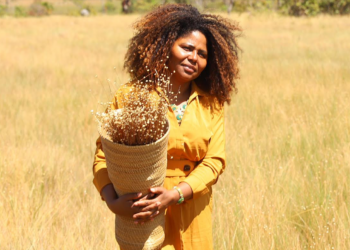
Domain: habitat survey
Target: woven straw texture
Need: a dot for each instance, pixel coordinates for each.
(136, 169)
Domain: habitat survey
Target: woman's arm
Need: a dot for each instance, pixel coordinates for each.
(213, 164)
(99, 167)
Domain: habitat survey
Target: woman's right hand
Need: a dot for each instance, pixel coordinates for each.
(120, 205)
(123, 205)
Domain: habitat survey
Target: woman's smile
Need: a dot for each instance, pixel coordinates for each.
(189, 68)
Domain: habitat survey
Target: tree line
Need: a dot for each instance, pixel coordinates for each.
(288, 7)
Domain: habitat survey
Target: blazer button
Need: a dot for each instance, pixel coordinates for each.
(187, 168)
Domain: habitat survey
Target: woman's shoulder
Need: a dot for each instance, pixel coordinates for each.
(207, 100)
(119, 95)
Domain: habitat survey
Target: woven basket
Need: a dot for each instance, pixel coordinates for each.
(136, 169)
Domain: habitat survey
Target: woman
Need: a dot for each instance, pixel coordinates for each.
(202, 51)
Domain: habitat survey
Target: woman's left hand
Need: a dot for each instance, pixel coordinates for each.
(164, 199)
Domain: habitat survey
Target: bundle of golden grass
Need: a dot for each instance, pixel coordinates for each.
(140, 119)
(142, 112)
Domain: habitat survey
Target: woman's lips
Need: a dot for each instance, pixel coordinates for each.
(189, 68)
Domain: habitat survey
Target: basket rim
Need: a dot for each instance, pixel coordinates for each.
(137, 146)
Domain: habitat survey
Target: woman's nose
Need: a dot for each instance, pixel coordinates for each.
(193, 56)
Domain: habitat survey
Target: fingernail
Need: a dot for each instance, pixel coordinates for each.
(139, 194)
(135, 222)
(158, 203)
(135, 204)
(152, 189)
(152, 219)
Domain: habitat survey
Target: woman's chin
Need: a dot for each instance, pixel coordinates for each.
(187, 77)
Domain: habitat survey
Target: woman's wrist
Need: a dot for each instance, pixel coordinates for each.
(186, 190)
(181, 195)
(175, 196)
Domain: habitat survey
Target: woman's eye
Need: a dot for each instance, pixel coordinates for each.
(186, 48)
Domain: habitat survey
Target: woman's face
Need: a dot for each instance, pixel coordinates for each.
(188, 57)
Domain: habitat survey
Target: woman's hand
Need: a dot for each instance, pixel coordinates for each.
(152, 207)
(122, 205)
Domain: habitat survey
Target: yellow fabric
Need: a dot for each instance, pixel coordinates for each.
(196, 155)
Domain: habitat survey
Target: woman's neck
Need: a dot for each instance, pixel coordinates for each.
(181, 92)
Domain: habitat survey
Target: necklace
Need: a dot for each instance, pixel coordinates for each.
(179, 110)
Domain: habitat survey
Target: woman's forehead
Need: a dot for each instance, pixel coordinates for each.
(194, 38)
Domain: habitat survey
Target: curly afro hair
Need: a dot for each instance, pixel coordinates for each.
(157, 31)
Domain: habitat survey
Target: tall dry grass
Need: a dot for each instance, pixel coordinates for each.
(286, 185)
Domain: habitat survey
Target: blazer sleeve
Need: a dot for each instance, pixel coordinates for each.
(208, 170)
(99, 167)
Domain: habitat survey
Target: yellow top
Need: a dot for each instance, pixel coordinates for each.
(196, 155)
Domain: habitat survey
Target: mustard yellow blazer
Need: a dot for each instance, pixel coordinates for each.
(196, 155)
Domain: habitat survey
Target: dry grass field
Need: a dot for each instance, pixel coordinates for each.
(287, 182)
